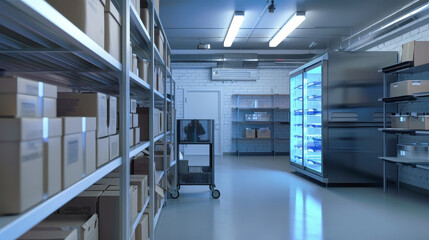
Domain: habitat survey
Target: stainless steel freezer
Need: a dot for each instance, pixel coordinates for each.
(335, 116)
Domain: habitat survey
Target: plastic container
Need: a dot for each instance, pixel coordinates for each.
(413, 151)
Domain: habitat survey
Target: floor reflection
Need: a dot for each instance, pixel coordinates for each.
(307, 217)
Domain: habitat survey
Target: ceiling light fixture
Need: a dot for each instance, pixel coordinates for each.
(406, 16)
(235, 25)
(289, 26)
(272, 7)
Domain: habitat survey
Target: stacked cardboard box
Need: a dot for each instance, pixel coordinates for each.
(104, 109)
(86, 15)
(50, 234)
(112, 29)
(30, 146)
(134, 124)
(263, 133)
(143, 68)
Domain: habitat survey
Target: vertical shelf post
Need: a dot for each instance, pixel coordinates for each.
(151, 121)
(124, 100)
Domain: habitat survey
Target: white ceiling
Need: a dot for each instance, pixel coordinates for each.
(328, 21)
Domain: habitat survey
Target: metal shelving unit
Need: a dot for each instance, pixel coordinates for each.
(393, 136)
(43, 45)
(274, 124)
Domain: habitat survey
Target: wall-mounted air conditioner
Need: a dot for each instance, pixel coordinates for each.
(234, 74)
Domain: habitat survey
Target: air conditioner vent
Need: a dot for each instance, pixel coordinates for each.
(234, 74)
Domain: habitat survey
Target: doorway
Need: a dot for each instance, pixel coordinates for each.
(203, 104)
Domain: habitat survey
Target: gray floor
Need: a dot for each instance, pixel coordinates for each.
(262, 199)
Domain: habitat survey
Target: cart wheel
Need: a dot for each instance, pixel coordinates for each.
(215, 194)
(212, 187)
(174, 194)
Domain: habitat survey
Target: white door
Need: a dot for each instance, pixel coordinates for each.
(203, 104)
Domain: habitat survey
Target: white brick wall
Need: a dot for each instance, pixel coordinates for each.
(412, 176)
(270, 81)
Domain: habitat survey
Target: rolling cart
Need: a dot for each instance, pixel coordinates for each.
(195, 132)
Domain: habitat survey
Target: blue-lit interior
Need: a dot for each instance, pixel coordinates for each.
(313, 119)
(296, 106)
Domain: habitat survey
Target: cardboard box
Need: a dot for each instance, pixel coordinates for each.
(19, 105)
(102, 151)
(143, 123)
(400, 120)
(142, 230)
(49, 91)
(133, 106)
(419, 122)
(249, 133)
(143, 68)
(416, 51)
(72, 161)
(263, 133)
(112, 29)
(156, 4)
(136, 5)
(141, 181)
(49, 107)
(52, 132)
(49, 235)
(21, 175)
(109, 213)
(135, 120)
(140, 165)
(85, 105)
(136, 136)
(144, 15)
(131, 137)
(134, 64)
(20, 129)
(19, 85)
(85, 14)
(408, 87)
(113, 111)
(114, 146)
(72, 125)
(159, 42)
(90, 153)
(86, 227)
(85, 203)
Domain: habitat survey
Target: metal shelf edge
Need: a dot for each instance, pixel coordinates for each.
(161, 174)
(137, 149)
(14, 226)
(139, 81)
(47, 14)
(158, 137)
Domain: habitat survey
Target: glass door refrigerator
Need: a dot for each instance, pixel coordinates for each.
(335, 116)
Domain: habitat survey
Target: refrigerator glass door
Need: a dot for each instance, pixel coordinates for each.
(296, 113)
(313, 119)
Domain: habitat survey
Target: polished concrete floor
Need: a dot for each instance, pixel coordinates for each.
(262, 199)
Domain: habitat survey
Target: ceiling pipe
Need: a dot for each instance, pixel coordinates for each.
(375, 31)
(267, 5)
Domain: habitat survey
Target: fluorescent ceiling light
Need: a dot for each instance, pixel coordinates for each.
(406, 16)
(289, 26)
(235, 25)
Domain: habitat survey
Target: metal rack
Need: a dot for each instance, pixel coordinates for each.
(392, 136)
(40, 43)
(274, 124)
